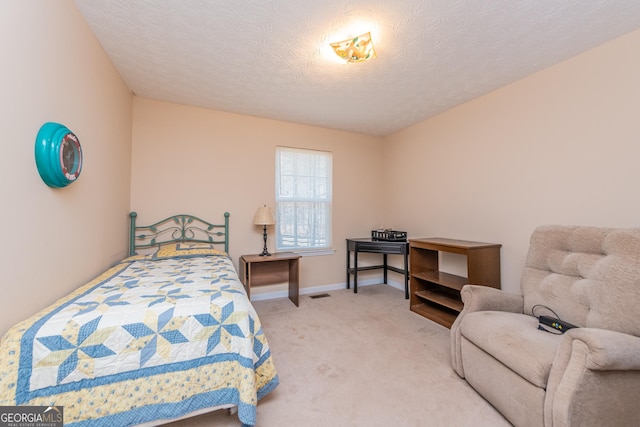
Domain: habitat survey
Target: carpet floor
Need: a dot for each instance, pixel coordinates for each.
(359, 360)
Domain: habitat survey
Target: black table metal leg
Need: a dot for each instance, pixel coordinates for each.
(348, 267)
(384, 265)
(355, 272)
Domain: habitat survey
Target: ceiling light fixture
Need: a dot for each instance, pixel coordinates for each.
(355, 49)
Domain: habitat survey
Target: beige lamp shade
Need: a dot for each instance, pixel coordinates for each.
(264, 216)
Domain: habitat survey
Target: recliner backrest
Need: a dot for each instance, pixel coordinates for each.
(588, 276)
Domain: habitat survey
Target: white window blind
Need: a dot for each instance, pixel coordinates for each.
(303, 199)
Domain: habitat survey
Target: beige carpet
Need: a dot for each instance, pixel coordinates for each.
(359, 360)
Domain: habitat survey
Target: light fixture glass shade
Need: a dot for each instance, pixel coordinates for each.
(264, 216)
(356, 49)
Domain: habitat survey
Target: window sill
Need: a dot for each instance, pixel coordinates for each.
(311, 252)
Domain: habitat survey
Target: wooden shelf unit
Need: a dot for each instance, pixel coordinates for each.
(435, 294)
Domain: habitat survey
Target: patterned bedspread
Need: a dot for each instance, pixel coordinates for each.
(155, 337)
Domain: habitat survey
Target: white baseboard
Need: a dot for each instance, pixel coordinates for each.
(324, 288)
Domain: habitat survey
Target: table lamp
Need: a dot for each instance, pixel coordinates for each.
(264, 216)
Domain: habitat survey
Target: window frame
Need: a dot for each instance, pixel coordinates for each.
(326, 200)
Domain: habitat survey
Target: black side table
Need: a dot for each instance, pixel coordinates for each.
(381, 247)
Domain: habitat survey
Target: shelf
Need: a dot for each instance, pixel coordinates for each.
(441, 298)
(436, 294)
(370, 267)
(440, 316)
(441, 278)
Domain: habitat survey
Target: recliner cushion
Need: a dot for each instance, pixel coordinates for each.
(514, 340)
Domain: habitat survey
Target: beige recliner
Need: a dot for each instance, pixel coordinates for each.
(587, 376)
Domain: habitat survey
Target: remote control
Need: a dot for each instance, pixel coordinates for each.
(556, 324)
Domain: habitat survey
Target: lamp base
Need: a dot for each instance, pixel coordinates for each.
(265, 252)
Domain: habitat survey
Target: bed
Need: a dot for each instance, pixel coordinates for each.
(165, 334)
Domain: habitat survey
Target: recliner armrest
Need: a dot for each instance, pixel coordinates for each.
(480, 298)
(595, 375)
(608, 350)
(483, 298)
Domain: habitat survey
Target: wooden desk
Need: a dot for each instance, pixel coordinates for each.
(381, 247)
(256, 270)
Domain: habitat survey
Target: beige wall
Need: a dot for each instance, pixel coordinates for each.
(557, 147)
(561, 146)
(206, 162)
(53, 69)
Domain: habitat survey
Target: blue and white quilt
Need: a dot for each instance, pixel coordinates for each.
(155, 337)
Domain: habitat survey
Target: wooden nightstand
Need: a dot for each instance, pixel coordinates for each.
(256, 270)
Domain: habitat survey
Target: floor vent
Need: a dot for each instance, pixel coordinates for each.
(319, 296)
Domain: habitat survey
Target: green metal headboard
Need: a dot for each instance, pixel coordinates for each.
(177, 228)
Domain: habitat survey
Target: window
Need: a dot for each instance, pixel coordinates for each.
(303, 199)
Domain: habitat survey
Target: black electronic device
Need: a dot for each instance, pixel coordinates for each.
(556, 324)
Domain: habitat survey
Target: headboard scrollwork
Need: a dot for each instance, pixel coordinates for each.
(176, 229)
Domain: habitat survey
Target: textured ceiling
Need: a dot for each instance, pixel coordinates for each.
(269, 58)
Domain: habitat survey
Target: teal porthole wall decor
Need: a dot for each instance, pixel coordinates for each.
(58, 155)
